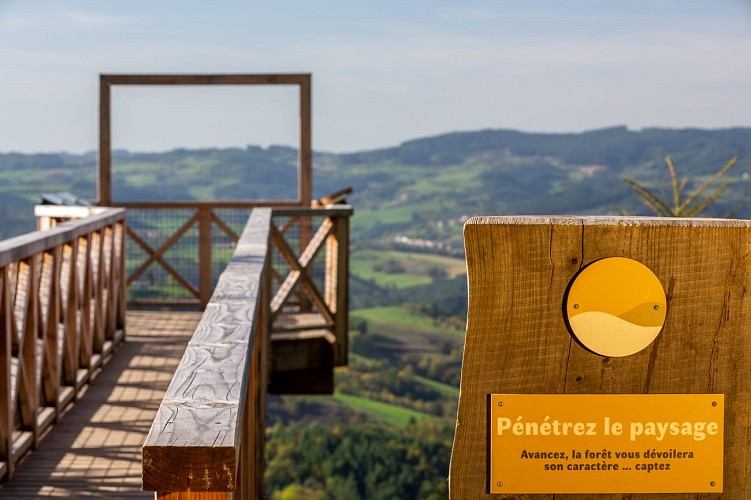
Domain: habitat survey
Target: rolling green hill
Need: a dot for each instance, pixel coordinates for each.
(394, 409)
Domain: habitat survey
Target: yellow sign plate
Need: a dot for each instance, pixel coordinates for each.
(606, 443)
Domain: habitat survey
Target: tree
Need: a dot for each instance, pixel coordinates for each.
(697, 201)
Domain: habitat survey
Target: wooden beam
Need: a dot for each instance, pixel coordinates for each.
(337, 286)
(26, 296)
(70, 313)
(49, 326)
(24, 246)
(195, 441)
(327, 211)
(121, 229)
(302, 363)
(206, 79)
(6, 401)
(104, 180)
(85, 350)
(305, 180)
(204, 256)
(206, 204)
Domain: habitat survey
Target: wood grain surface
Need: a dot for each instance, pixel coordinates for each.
(94, 451)
(201, 432)
(517, 341)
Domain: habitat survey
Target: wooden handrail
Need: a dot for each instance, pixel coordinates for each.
(207, 438)
(62, 313)
(328, 211)
(26, 245)
(203, 204)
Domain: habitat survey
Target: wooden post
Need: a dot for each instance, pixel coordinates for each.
(337, 285)
(305, 174)
(104, 184)
(6, 403)
(26, 300)
(49, 328)
(517, 342)
(121, 272)
(86, 340)
(305, 179)
(204, 255)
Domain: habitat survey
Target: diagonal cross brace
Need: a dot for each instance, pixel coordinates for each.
(156, 256)
(299, 270)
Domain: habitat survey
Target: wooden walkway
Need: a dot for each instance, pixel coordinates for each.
(95, 450)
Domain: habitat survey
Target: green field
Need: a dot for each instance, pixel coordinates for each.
(449, 180)
(390, 414)
(445, 389)
(402, 269)
(396, 214)
(399, 318)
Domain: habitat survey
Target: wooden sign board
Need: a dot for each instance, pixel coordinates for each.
(517, 341)
(585, 443)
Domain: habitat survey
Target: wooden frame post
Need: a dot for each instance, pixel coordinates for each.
(204, 256)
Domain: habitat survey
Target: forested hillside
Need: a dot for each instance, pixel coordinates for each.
(387, 431)
(420, 190)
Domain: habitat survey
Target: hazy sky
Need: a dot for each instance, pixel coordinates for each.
(383, 71)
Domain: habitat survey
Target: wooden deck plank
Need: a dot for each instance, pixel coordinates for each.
(95, 450)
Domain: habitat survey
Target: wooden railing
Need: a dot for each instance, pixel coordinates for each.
(199, 230)
(207, 438)
(307, 298)
(181, 241)
(309, 273)
(62, 313)
(279, 309)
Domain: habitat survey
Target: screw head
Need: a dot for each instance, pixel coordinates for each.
(712, 483)
(500, 404)
(576, 306)
(499, 484)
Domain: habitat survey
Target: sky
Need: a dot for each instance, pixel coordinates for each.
(383, 72)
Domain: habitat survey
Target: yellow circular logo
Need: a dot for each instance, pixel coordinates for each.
(615, 306)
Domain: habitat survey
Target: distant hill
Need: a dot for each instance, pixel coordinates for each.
(616, 147)
(418, 192)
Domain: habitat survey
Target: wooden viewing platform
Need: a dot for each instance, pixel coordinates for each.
(174, 402)
(95, 450)
(178, 408)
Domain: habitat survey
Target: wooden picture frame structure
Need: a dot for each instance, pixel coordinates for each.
(305, 159)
